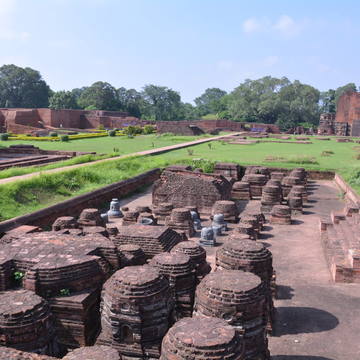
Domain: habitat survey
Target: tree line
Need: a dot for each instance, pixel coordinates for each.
(267, 100)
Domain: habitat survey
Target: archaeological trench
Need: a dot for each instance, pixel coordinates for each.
(245, 263)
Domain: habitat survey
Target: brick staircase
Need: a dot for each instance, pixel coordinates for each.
(340, 235)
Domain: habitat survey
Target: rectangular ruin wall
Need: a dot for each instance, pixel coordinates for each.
(348, 108)
(183, 127)
(27, 120)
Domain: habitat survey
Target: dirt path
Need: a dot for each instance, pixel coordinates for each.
(145, 152)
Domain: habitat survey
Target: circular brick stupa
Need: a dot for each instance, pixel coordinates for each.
(202, 339)
(197, 255)
(252, 256)
(26, 323)
(136, 306)
(245, 255)
(240, 298)
(179, 270)
(97, 352)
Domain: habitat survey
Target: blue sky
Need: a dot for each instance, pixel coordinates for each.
(188, 45)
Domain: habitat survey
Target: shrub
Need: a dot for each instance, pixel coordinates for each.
(133, 130)
(101, 127)
(206, 165)
(111, 132)
(65, 292)
(18, 275)
(53, 134)
(64, 138)
(4, 137)
(148, 129)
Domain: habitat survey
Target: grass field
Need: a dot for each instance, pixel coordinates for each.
(25, 196)
(121, 144)
(343, 158)
(108, 146)
(320, 155)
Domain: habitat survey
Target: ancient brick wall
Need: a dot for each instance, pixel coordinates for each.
(32, 119)
(182, 127)
(348, 107)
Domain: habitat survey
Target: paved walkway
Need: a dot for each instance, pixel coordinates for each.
(145, 152)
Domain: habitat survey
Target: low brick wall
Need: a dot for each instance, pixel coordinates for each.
(312, 174)
(350, 193)
(74, 206)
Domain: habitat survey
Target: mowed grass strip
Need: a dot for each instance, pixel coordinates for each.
(104, 147)
(25, 196)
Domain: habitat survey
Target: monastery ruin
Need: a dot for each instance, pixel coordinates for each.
(185, 272)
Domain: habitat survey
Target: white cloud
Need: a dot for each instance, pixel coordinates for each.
(284, 25)
(287, 25)
(251, 25)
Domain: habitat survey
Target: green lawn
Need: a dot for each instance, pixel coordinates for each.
(102, 145)
(109, 146)
(344, 159)
(278, 154)
(25, 196)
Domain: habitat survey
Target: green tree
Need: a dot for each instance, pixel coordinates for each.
(22, 87)
(99, 96)
(256, 100)
(131, 101)
(188, 112)
(63, 100)
(271, 100)
(327, 101)
(210, 101)
(299, 104)
(342, 89)
(162, 103)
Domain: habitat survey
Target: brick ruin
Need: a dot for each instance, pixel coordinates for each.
(339, 234)
(239, 298)
(346, 121)
(200, 339)
(29, 155)
(127, 290)
(22, 121)
(136, 311)
(212, 126)
(183, 188)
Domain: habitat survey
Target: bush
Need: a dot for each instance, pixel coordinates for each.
(64, 138)
(4, 137)
(111, 132)
(53, 134)
(148, 129)
(101, 127)
(133, 130)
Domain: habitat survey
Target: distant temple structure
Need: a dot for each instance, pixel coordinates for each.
(346, 121)
(31, 120)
